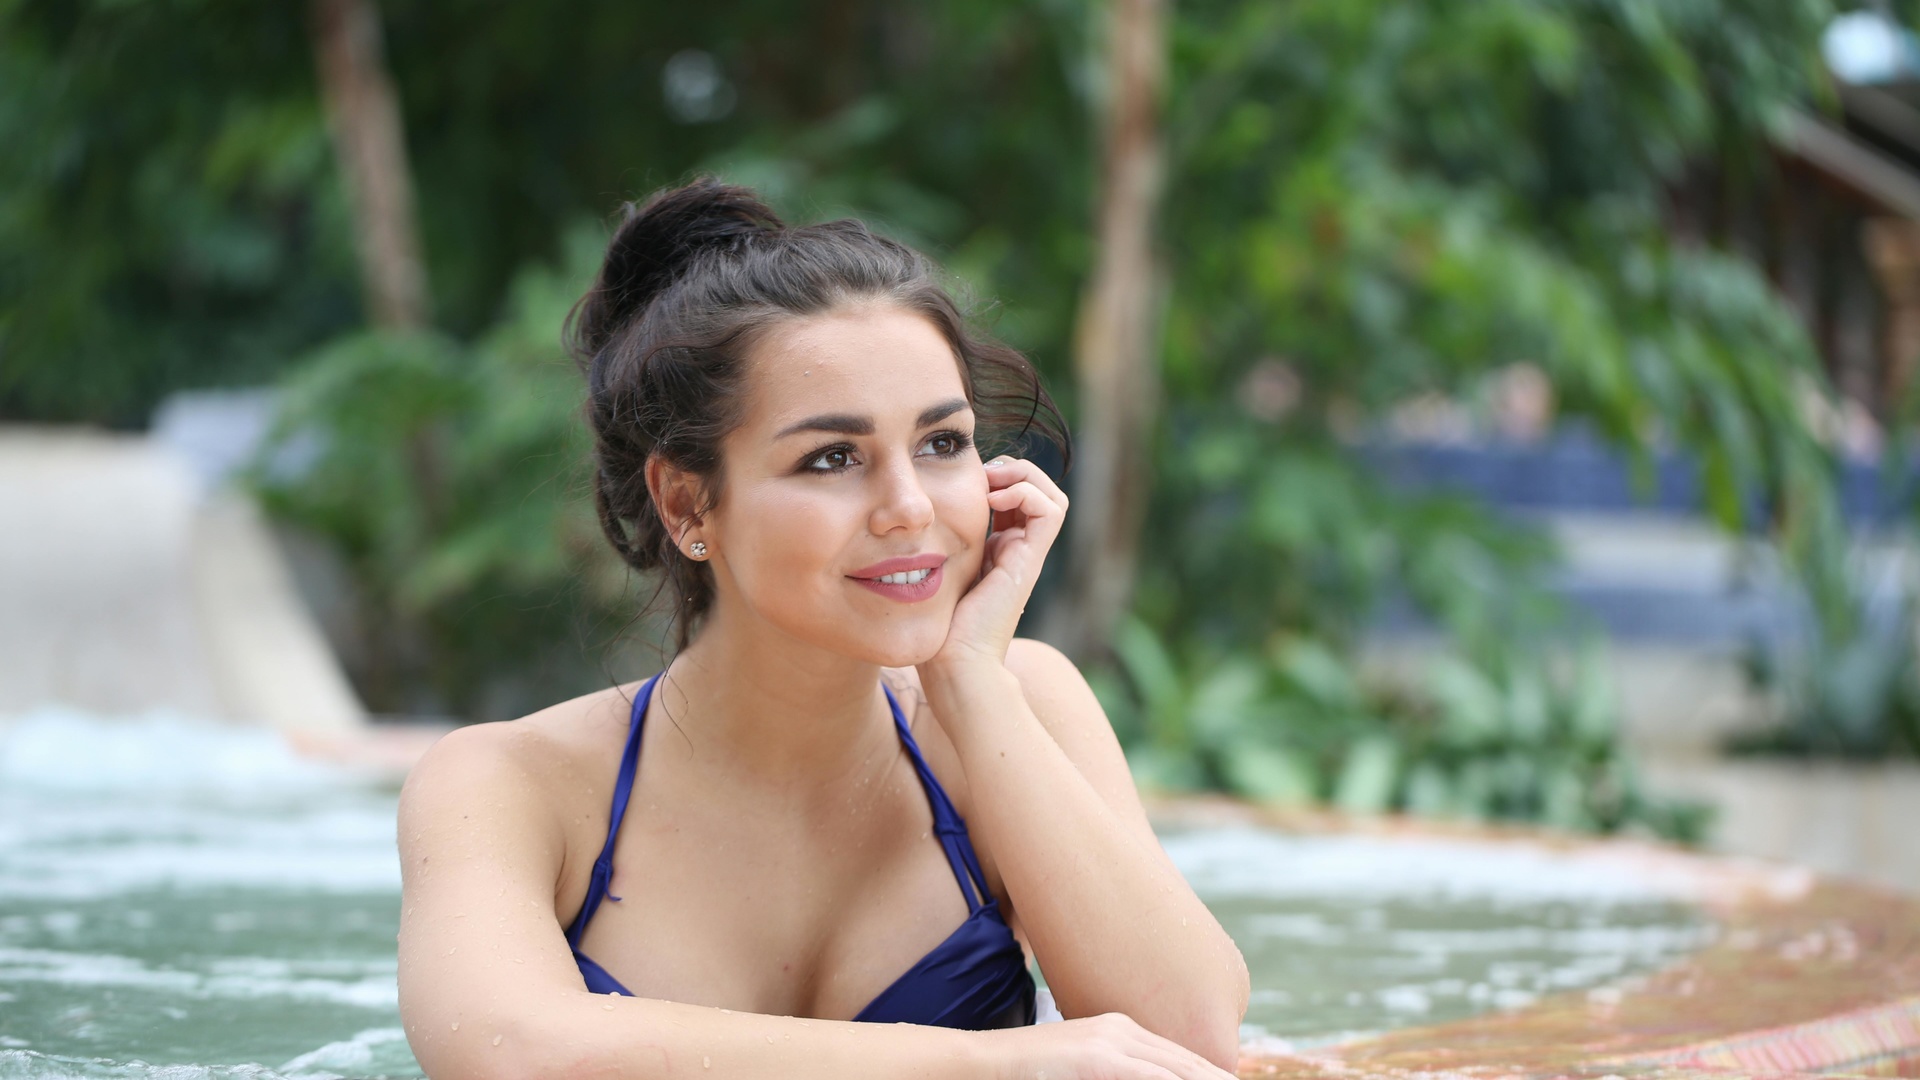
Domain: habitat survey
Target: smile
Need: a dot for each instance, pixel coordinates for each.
(909, 579)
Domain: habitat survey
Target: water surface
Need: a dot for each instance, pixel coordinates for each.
(180, 901)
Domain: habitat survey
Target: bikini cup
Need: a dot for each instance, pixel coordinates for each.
(975, 979)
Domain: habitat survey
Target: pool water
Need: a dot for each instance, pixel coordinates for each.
(1348, 936)
(180, 901)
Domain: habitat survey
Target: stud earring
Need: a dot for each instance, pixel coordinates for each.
(697, 549)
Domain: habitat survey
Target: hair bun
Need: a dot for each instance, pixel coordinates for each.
(654, 243)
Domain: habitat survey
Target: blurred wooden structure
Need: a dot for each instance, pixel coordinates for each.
(1837, 227)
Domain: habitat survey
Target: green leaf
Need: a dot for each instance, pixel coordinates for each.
(1271, 774)
(1563, 803)
(1158, 682)
(1225, 702)
(1471, 706)
(1367, 777)
(1313, 671)
(1429, 792)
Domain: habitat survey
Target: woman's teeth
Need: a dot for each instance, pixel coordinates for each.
(909, 577)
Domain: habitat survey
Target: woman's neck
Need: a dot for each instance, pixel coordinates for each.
(775, 714)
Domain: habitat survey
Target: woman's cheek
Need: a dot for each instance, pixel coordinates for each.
(792, 539)
(965, 513)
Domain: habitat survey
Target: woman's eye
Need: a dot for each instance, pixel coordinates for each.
(832, 460)
(947, 443)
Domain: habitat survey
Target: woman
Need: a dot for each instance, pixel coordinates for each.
(852, 796)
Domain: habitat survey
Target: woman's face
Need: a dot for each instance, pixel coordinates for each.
(854, 507)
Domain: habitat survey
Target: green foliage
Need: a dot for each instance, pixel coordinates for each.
(1855, 697)
(1403, 198)
(1516, 736)
(449, 477)
(171, 216)
(1379, 201)
(163, 216)
(1369, 201)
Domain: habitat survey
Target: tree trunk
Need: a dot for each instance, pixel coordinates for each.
(1115, 349)
(363, 116)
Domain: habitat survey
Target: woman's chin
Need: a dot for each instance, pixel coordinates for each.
(903, 654)
(898, 646)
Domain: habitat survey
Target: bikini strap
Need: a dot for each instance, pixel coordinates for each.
(622, 791)
(947, 823)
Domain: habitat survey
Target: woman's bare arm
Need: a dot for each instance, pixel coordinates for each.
(1111, 921)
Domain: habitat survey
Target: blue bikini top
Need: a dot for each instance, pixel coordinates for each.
(976, 979)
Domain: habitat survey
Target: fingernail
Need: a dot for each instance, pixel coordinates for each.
(996, 463)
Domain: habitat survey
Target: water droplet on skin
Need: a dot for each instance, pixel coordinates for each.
(496, 1040)
(456, 1025)
(1183, 920)
(451, 951)
(609, 1008)
(706, 1063)
(769, 1040)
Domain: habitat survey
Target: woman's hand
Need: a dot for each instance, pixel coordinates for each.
(1028, 511)
(1105, 1047)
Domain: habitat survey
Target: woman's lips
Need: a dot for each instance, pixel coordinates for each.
(909, 593)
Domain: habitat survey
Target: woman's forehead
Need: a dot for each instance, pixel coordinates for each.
(875, 360)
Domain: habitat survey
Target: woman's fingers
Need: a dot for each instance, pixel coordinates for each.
(1110, 1046)
(1025, 498)
(1011, 470)
(1025, 508)
(1177, 1059)
(1184, 1063)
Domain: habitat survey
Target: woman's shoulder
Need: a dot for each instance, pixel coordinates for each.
(549, 755)
(1041, 667)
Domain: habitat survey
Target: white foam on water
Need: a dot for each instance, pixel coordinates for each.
(1246, 862)
(59, 749)
(1630, 941)
(356, 1055)
(93, 808)
(366, 985)
(31, 1065)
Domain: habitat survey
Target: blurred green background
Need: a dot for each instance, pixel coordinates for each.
(1366, 209)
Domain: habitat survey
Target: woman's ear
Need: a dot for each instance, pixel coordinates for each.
(679, 497)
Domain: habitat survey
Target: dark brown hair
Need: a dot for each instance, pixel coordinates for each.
(693, 278)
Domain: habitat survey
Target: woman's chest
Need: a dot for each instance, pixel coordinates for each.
(778, 916)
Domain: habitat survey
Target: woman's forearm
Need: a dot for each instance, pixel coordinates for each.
(1113, 924)
(577, 1034)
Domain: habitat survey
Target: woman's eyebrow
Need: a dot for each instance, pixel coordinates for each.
(936, 413)
(838, 423)
(849, 424)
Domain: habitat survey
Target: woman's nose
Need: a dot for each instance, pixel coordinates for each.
(901, 501)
